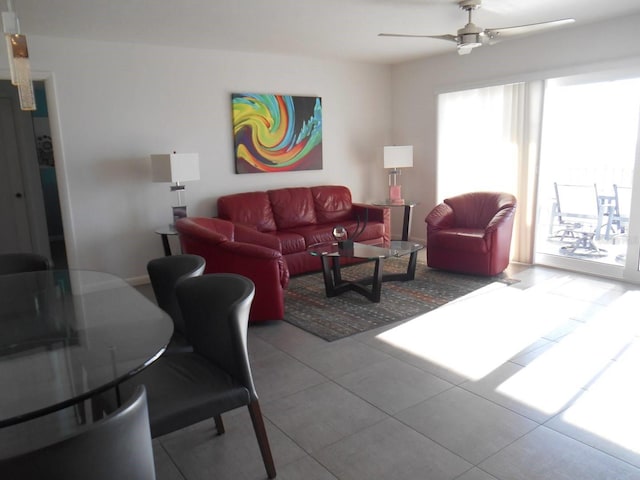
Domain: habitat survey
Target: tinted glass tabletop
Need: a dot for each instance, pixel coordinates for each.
(68, 334)
(362, 250)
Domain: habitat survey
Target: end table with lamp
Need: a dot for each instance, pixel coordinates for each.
(395, 158)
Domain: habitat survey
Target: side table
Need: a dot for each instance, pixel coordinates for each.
(408, 213)
(164, 232)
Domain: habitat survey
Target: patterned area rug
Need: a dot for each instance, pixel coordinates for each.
(307, 306)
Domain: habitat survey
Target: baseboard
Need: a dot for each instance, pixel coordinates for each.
(135, 281)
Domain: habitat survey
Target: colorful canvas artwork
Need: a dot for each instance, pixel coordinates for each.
(276, 133)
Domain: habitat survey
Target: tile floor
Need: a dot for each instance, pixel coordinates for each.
(533, 381)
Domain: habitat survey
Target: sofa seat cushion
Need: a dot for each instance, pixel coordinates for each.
(292, 207)
(250, 208)
(291, 242)
(464, 239)
(324, 233)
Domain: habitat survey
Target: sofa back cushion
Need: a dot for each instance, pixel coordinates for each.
(250, 208)
(332, 203)
(292, 207)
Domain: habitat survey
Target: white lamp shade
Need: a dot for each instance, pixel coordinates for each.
(175, 167)
(398, 156)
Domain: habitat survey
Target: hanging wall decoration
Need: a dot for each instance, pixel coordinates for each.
(276, 133)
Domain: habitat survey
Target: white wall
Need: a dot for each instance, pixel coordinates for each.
(415, 86)
(111, 105)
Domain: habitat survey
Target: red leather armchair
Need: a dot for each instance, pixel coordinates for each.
(471, 233)
(229, 248)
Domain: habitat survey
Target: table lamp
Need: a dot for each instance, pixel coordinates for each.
(395, 158)
(176, 168)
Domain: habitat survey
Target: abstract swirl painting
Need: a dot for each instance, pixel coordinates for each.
(276, 133)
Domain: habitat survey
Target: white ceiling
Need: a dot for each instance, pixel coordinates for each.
(340, 29)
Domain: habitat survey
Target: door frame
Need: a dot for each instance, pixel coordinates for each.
(60, 164)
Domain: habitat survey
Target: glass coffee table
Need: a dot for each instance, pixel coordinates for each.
(331, 252)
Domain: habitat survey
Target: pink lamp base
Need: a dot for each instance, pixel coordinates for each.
(395, 193)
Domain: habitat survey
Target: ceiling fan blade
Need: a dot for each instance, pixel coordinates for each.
(451, 38)
(498, 33)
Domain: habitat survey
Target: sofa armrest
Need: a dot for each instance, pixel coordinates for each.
(251, 260)
(374, 213)
(440, 217)
(245, 234)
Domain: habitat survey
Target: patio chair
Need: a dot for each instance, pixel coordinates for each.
(579, 215)
(622, 208)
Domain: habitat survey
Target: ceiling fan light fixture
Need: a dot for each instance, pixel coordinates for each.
(471, 40)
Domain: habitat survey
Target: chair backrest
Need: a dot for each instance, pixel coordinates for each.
(23, 262)
(622, 202)
(118, 446)
(165, 273)
(577, 202)
(216, 310)
(477, 209)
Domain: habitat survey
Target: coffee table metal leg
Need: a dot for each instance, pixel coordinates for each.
(337, 275)
(411, 266)
(329, 285)
(376, 286)
(334, 285)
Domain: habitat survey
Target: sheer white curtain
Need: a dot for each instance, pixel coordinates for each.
(488, 141)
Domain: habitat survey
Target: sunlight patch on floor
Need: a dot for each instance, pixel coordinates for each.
(609, 408)
(554, 379)
(477, 333)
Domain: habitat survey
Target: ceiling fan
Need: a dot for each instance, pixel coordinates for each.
(471, 36)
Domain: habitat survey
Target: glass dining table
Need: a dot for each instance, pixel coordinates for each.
(67, 335)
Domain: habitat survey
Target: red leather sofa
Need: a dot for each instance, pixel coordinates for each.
(264, 236)
(471, 233)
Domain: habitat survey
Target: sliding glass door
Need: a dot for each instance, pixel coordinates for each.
(588, 156)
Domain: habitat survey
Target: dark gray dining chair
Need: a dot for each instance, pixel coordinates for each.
(23, 262)
(187, 388)
(165, 273)
(118, 446)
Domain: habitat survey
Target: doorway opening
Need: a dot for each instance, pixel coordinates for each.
(30, 204)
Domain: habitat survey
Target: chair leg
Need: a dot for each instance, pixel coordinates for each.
(261, 435)
(219, 424)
